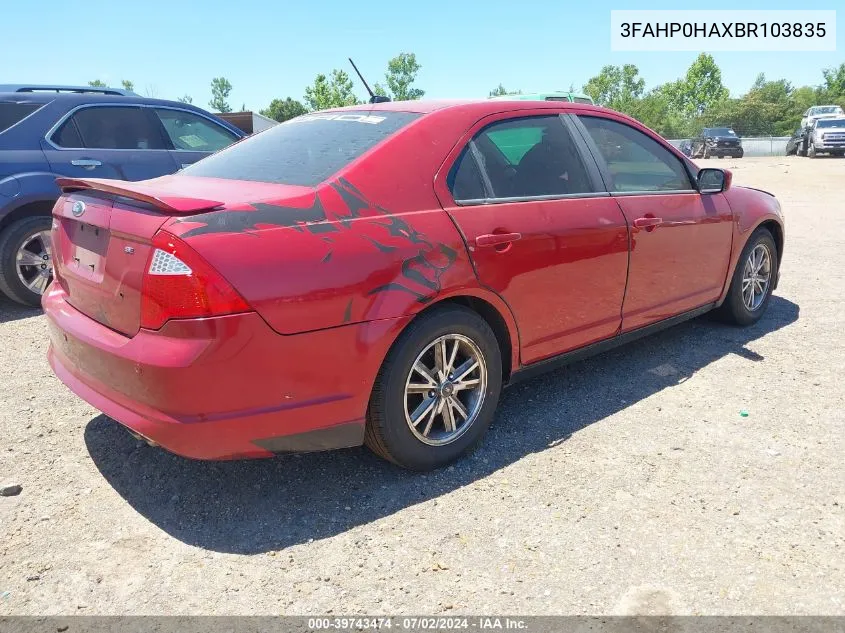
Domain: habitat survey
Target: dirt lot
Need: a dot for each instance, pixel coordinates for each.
(626, 483)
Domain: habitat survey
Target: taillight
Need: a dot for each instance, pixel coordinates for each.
(179, 284)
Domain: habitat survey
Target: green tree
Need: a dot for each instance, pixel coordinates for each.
(655, 110)
(701, 88)
(220, 89)
(282, 110)
(97, 84)
(401, 73)
(127, 85)
(501, 91)
(185, 99)
(616, 87)
(833, 88)
(330, 92)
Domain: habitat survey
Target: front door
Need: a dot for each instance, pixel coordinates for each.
(541, 231)
(192, 136)
(680, 239)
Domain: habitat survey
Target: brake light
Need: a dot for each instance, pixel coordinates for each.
(180, 284)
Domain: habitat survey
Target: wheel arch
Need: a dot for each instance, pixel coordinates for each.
(495, 312)
(28, 209)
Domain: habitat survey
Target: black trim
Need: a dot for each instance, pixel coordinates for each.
(527, 372)
(344, 435)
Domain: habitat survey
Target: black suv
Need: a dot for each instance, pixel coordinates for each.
(83, 132)
(716, 141)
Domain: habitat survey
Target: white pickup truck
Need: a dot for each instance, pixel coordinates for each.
(826, 136)
(820, 112)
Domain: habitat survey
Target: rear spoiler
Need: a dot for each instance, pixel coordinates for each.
(164, 202)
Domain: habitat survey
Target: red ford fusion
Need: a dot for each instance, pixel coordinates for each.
(376, 274)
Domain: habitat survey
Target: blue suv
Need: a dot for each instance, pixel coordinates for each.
(51, 131)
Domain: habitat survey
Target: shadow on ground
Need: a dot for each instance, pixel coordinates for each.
(256, 506)
(11, 311)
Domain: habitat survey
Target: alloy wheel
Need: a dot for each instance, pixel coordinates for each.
(756, 277)
(445, 389)
(34, 262)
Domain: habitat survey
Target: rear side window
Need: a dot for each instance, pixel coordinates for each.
(636, 162)
(304, 151)
(11, 113)
(524, 158)
(110, 128)
(191, 132)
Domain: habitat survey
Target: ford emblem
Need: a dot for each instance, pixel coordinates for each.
(78, 208)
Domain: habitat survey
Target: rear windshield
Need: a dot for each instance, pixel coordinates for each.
(11, 113)
(582, 100)
(304, 151)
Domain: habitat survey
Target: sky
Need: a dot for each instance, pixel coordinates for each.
(272, 48)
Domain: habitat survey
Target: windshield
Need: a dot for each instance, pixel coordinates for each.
(304, 151)
(826, 110)
(718, 131)
(831, 123)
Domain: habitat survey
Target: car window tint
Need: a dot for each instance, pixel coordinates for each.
(11, 113)
(117, 128)
(531, 156)
(464, 179)
(636, 162)
(303, 151)
(67, 135)
(189, 131)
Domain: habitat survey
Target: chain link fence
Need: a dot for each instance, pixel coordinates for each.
(754, 146)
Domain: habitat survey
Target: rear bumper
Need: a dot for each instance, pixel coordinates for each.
(225, 387)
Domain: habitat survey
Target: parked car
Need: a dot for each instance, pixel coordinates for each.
(571, 97)
(820, 112)
(376, 274)
(826, 136)
(50, 131)
(795, 144)
(718, 142)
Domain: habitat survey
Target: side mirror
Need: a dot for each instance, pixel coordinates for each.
(711, 180)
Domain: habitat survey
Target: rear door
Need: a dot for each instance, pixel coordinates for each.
(680, 240)
(123, 142)
(541, 231)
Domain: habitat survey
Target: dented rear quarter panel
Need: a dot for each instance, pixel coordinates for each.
(371, 243)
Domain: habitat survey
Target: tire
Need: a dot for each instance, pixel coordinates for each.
(389, 431)
(734, 309)
(12, 240)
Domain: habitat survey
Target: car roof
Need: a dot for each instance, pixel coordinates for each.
(480, 107)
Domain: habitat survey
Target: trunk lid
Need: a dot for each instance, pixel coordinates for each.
(103, 229)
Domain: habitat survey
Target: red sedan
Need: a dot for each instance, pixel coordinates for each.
(376, 274)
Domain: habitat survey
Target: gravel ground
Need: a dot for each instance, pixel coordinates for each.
(628, 483)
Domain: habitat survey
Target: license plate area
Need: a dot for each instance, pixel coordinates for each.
(87, 248)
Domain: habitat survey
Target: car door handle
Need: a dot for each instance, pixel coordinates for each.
(649, 223)
(497, 239)
(88, 163)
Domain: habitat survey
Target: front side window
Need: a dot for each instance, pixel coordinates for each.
(303, 151)
(528, 157)
(635, 161)
(109, 127)
(189, 131)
